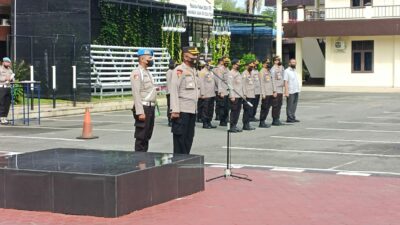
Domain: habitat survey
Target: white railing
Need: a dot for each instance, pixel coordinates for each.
(344, 13)
(368, 12)
(113, 65)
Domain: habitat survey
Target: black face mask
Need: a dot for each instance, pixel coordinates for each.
(293, 66)
(150, 63)
(250, 68)
(279, 63)
(193, 62)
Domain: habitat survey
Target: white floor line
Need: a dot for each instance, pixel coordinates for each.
(95, 121)
(344, 164)
(67, 128)
(383, 117)
(285, 169)
(353, 130)
(388, 112)
(354, 174)
(314, 152)
(3, 137)
(333, 139)
(313, 169)
(370, 123)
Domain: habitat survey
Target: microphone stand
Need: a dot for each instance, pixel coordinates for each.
(228, 170)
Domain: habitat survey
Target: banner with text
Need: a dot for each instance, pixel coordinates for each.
(200, 9)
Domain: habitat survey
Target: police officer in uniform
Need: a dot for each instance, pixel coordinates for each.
(171, 68)
(249, 94)
(222, 97)
(235, 80)
(223, 94)
(207, 95)
(144, 95)
(277, 71)
(267, 93)
(257, 86)
(184, 96)
(217, 72)
(6, 76)
(200, 104)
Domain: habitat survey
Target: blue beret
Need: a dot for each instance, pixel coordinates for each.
(144, 51)
(6, 59)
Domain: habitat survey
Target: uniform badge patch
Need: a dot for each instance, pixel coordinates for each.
(179, 72)
(135, 76)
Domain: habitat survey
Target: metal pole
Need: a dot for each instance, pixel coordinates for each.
(15, 30)
(279, 28)
(54, 86)
(32, 86)
(74, 84)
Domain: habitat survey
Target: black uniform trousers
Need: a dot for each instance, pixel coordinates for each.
(291, 106)
(183, 132)
(247, 111)
(276, 106)
(236, 106)
(169, 107)
(5, 101)
(217, 105)
(223, 108)
(199, 108)
(255, 103)
(265, 107)
(207, 109)
(144, 129)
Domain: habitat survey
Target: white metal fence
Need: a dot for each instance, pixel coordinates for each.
(113, 65)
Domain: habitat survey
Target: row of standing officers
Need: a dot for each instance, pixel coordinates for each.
(192, 91)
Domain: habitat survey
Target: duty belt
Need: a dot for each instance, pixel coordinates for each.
(149, 104)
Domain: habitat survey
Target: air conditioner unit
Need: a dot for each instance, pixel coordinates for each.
(340, 45)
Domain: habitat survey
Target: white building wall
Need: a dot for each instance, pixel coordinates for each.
(386, 73)
(347, 3)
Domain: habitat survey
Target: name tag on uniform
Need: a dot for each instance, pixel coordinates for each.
(267, 78)
(189, 82)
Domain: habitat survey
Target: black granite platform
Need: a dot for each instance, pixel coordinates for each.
(96, 183)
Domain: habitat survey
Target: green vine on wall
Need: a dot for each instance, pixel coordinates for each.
(220, 46)
(172, 41)
(129, 26)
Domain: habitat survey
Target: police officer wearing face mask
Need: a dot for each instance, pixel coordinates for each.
(277, 76)
(144, 95)
(171, 68)
(184, 96)
(257, 87)
(249, 94)
(207, 95)
(6, 76)
(235, 81)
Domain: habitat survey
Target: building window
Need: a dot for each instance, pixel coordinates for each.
(360, 3)
(362, 56)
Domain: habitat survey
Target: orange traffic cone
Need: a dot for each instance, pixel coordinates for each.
(87, 127)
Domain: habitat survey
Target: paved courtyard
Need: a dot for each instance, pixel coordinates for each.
(339, 165)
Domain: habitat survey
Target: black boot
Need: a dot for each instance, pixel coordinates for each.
(264, 125)
(248, 127)
(206, 126)
(211, 125)
(234, 129)
(277, 122)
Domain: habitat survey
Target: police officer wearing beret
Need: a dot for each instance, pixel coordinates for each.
(6, 76)
(184, 96)
(144, 95)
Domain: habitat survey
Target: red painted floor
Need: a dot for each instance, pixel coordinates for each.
(272, 198)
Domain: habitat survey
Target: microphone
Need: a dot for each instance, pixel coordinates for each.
(249, 104)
